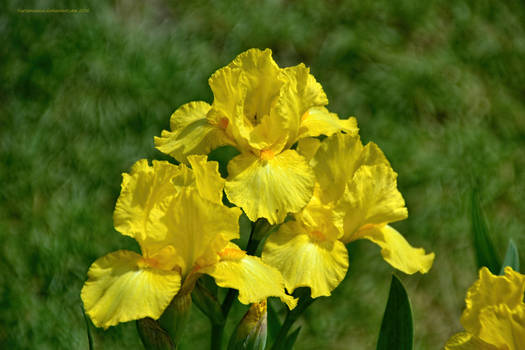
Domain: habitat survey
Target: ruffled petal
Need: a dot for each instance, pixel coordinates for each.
(191, 132)
(118, 290)
(271, 187)
(207, 177)
(141, 191)
(319, 121)
(326, 219)
(334, 164)
(244, 92)
(466, 341)
(299, 94)
(260, 74)
(254, 279)
(491, 290)
(197, 228)
(337, 159)
(503, 327)
(305, 260)
(372, 198)
(397, 251)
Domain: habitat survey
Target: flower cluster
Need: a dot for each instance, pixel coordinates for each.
(183, 229)
(319, 192)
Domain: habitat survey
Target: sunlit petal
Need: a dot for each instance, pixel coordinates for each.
(191, 132)
(373, 199)
(319, 121)
(501, 326)
(269, 188)
(489, 290)
(254, 279)
(397, 251)
(300, 93)
(141, 191)
(207, 177)
(197, 228)
(119, 290)
(305, 260)
(244, 92)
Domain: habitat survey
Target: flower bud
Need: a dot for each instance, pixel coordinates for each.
(251, 332)
(153, 336)
(207, 303)
(175, 317)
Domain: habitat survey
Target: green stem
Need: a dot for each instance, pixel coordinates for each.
(217, 330)
(216, 336)
(228, 302)
(251, 247)
(290, 319)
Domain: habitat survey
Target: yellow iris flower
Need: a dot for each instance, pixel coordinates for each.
(262, 110)
(494, 317)
(176, 215)
(355, 197)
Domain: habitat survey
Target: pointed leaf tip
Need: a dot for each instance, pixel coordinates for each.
(484, 248)
(397, 330)
(512, 258)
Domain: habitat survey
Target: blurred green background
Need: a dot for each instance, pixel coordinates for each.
(439, 85)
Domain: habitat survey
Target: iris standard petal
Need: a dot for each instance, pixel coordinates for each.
(269, 188)
(141, 191)
(191, 132)
(244, 92)
(119, 290)
(299, 93)
(207, 177)
(337, 159)
(197, 228)
(334, 164)
(320, 217)
(372, 198)
(305, 260)
(397, 251)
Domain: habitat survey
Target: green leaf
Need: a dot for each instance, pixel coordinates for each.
(485, 252)
(274, 325)
(175, 316)
(512, 258)
(290, 340)
(89, 335)
(153, 336)
(397, 330)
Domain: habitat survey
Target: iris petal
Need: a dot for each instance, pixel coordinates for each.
(118, 290)
(372, 199)
(306, 261)
(254, 279)
(191, 132)
(319, 121)
(491, 290)
(269, 188)
(397, 251)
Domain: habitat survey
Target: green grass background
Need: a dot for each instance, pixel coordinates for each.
(439, 85)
